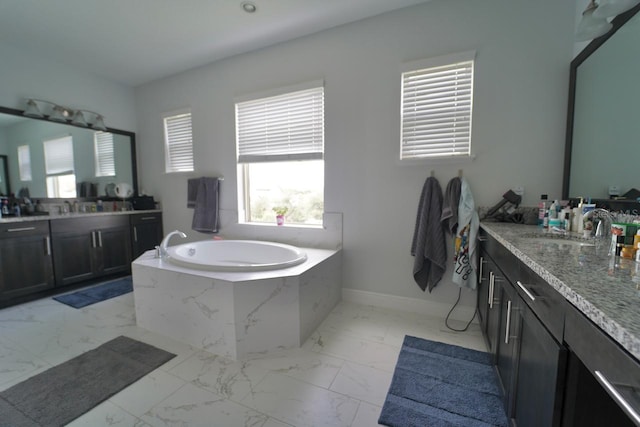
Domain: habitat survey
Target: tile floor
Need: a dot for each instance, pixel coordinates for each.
(338, 378)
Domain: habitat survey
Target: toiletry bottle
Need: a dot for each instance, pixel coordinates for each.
(542, 209)
(567, 220)
(553, 210)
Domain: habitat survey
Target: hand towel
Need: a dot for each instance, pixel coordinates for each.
(464, 272)
(428, 245)
(450, 205)
(205, 214)
(192, 191)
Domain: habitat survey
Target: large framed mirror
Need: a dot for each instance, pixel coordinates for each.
(45, 159)
(603, 126)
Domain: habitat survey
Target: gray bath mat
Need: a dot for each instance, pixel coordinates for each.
(60, 394)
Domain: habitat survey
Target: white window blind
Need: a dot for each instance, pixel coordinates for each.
(104, 155)
(58, 156)
(436, 110)
(24, 163)
(178, 134)
(283, 127)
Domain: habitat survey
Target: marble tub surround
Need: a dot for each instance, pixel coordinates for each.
(237, 314)
(606, 289)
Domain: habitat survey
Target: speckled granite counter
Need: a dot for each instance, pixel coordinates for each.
(604, 288)
(25, 218)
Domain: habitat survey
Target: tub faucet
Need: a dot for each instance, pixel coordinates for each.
(165, 242)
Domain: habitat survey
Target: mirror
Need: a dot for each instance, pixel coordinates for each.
(4, 176)
(603, 125)
(74, 173)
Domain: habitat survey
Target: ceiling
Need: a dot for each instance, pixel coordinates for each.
(137, 41)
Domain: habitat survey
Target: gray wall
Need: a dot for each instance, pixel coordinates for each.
(521, 83)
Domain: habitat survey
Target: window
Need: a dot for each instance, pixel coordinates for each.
(178, 142)
(280, 142)
(104, 155)
(24, 163)
(59, 166)
(437, 97)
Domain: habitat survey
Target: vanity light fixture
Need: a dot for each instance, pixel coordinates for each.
(248, 7)
(60, 114)
(591, 26)
(609, 8)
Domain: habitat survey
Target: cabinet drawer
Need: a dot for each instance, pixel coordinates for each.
(145, 218)
(88, 223)
(547, 304)
(20, 229)
(617, 371)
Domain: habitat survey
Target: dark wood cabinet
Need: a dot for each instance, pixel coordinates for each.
(146, 232)
(25, 259)
(90, 247)
(530, 362)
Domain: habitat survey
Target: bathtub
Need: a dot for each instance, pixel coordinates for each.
(237, 314)
(236, 255)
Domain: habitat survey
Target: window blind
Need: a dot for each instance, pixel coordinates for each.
(436, 111)
(283, 127)
(24, 163)
(58, 156)
(178, 143)
(104, 154)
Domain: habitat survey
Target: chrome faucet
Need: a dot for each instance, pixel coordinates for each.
(165, 242)
(601, 215)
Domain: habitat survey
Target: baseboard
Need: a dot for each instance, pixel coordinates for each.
(392, 302)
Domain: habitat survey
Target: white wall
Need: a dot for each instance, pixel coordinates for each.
(521, 84)
(27, 76)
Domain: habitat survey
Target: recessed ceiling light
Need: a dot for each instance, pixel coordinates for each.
(248, 7)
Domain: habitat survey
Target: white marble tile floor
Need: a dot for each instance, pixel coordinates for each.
(339, 377)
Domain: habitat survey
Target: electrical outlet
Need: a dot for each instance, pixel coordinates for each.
(519, 190)
(614, 190)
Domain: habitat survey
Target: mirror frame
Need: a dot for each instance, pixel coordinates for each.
(131, 135)
(617, 23)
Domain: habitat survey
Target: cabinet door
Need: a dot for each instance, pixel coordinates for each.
(483, 291)
(74, 258)
(146, 233)
(541, 366)
(113, 250)
(507, 342)
(494, 298)
(25, 259)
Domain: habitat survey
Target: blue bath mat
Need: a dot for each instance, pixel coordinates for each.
(442, 385)
(98, 293)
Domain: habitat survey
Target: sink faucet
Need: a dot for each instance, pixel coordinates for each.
(165, 242)
(603, 216)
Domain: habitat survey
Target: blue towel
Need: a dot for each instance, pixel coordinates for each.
(429, 245)
(205, 214)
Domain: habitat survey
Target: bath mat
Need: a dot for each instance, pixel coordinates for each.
(98, 293)
(62, 393)
(436, 384)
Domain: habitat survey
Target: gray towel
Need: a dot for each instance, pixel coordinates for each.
(429, 245)
(205, 214)
(192, 191)
(450, 205)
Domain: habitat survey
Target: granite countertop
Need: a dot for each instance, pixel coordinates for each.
(26, 218)
(606, 289)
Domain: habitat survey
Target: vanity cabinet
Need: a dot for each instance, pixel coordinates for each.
(529, 360)
(603, 381)
(26, 264)
(90, 247)
(146, 232)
